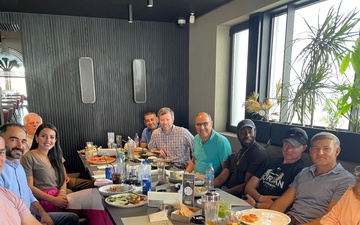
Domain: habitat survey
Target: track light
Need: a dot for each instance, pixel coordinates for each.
(150, 3)
(192, 18)
(130, 18)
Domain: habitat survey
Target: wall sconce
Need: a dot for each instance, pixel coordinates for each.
(130, 18)
(150, 3)
(192, 18)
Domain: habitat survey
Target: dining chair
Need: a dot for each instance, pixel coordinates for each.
(14, 112)
(6, 115)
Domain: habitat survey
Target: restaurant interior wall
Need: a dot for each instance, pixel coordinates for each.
(52, 46)
(206, 67)
(209, 54)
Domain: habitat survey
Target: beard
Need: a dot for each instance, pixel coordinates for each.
(11, 153)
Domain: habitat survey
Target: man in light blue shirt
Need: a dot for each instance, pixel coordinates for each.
(316, 189)
(152, 123)
(13, 177)
(209, 147)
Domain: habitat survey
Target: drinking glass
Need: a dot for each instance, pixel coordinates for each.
(116, 178)
(161, 170)
(224, 209)
(211, 213)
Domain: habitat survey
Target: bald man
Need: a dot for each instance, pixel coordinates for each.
(31, 122)
(209, 146)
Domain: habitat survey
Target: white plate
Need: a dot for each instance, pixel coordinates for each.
(199, 182)
(115, 200)
(115, 189)
(175, 180)
(266, 216)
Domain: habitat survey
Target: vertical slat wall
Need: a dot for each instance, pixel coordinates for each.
(52, 46)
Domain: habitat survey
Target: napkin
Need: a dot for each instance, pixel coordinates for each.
(102, 182)
(99, 176)
(159, 216)
(102, 167)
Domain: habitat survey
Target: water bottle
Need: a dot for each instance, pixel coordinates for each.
(130, 146)
(136, 139)
(120, 167)
(144, 176)
(209, 183)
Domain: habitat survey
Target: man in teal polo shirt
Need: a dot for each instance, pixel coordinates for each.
(208, 147)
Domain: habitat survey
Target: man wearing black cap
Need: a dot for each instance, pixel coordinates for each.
(240, 167)
(317, 188)
(272, 180)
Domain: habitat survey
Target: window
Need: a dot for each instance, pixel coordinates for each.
(312, 14)
(274, 55)
(239, 63)
(12, 76)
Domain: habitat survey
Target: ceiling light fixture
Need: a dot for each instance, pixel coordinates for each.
(150, 3)
(192, 18)
(130, 18)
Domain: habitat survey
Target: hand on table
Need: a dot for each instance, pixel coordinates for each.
(161, 153)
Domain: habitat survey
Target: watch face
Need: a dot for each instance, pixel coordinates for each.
(188, 190)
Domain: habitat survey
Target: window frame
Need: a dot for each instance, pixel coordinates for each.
(260, 27)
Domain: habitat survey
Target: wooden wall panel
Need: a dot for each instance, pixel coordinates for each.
(52, 46)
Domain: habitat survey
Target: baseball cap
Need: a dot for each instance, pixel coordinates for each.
(296, 136)
(245, 123)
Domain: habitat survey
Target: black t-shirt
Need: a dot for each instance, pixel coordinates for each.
(275, 177)
(249, 161)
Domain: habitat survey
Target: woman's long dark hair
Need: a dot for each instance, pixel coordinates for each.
(55, 154)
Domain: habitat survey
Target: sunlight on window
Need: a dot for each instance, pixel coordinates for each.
(312, 14)
(239, 74)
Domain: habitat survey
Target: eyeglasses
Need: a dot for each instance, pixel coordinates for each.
(205, 124)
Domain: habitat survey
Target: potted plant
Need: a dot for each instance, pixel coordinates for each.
(326, 43)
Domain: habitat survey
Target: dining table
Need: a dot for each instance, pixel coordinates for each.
(140, 214)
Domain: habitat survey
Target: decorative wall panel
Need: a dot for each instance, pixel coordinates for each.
(52, 46)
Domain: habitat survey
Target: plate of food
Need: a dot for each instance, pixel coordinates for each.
(147, 155)
(199, 182)
(112, 189)
(176, 176)
(167, 166)
(263, 216)
(128, 200)
(101, 160)
(200, 191)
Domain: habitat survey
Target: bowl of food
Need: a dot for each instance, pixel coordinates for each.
(200, 191)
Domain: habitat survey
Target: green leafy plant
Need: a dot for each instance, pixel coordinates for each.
(349, 104)
(326, 43)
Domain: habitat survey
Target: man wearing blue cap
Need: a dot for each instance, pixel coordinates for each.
(241, 166)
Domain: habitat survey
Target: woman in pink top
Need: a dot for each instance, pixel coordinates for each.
(347, 210)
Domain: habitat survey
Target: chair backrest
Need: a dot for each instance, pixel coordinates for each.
(10, 115)
(17, 103)
(6, 115)
(22, 98)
